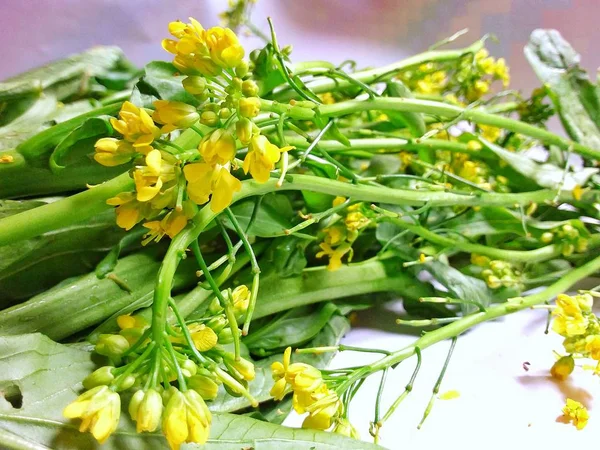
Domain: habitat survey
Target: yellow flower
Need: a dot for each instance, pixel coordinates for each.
(577, 192)
(149, 178)
(592, 346)
(261, 157)
(129, 210)
(356, 221)
(171, 225)
(7, 159)
(136, 126)
(577, 413)
(335, 255)
(99, 409)
(490, 133)
(501, 72)
(245, 129)
(204, 337)
(562, 368)
(128, 321)
(112, 152)
(327, 98)
(432, 83)
(249, 107)
(303, 377)
(338, 201)
(218, 147)
(279, 369)
(204, 180)
(174, 115)
(569, 319)
(225, 49)
(477, 90)
(334, 235)
(323, 412)
(243, 367)
(191, 51)
(186, 419)
(146, 409)
(241, 301)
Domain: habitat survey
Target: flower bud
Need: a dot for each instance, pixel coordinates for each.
(249, 88)
(99, 377)
(244, 130)
(215, 307)
(241, 69)
(128, 382)
(547, 237)
(146, 409)
(563, 367)
(243, 367)
(249, 107)
(225, 336)
(194, 85)
(209, 118)
(345, 428)
(112, 345)
(241, 301)
(204, 385)
(217, 323)
(225, 113)
(189, 368)
(236, 84)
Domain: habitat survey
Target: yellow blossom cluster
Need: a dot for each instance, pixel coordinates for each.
(310, 393)
(169, 185)
(477, 73)
(576, 413)
(340, 235)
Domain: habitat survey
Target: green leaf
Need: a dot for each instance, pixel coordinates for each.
(331, 334)
(28, 123)
(47, 376)
(292, 328)
(161, 81)
(64, 77)
(272, 218)
(545, 175)
(78, 303)
(287, 255)
(575, 98)
(413, 121)
(32, 266)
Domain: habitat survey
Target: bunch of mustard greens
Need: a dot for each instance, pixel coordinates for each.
(169, 235)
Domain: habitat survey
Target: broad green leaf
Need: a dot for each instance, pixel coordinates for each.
(46, 377)
(78, 303)
(272, 218)
(161, 81)
(32, 266)
(287, 255)
(94, 127)
(331, 334)
(575, 98)
(63, 77)
(546, 175)
(28, 123)
(293, 328)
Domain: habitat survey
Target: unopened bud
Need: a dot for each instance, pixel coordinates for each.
(225, 336)
(249, 88)
(189, 368)
(563, 367)
(112, 345)
(243, 368)
(224, 113)
(547, 237)
(209, 118)
(194, 85)
(241, 69)
(215, 307)
(244, 130)
(99, 377)
(204, 385)
(217, 323)
(241, 301)
(127, 383)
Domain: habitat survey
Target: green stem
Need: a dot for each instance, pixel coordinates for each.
(62, 213)
(467, 322)
(477, 115)
(521, 256)
(385, 72)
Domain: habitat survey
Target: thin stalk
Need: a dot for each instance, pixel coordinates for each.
(407, 390)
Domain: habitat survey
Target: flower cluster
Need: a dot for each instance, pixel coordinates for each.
(341, 233)
(477, 72)
(576, 413)
(310, 392)
(147, 370)
(427, 79)
(575, 321)
(170, 181)
(571, 237)
(497, 273)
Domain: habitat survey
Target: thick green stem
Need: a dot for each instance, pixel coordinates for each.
(62, 213)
